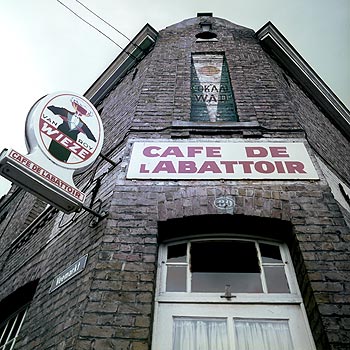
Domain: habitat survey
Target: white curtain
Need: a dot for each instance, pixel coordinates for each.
(197, 334)
(262, 335)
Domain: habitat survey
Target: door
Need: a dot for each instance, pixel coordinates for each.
(230, 327)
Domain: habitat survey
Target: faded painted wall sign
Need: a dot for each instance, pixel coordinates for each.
(211, 91)
(220, 160)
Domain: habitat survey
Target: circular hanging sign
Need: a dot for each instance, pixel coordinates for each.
(66, 128)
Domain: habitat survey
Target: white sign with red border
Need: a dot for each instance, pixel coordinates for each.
(67, 129)
(64, 135)
(231, 160)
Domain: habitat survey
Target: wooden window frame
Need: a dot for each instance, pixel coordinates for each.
(188, 296)
(256, 306)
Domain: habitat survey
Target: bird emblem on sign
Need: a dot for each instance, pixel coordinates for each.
(72, 125)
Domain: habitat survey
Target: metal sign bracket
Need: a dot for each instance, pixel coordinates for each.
(99, 215)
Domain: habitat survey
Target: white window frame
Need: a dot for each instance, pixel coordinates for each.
(13, 333)
(281, 306)
(162, 295)
(163, 330)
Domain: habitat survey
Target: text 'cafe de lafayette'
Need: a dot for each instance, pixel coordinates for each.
(222, 160)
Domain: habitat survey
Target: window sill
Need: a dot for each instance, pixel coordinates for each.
(217, 125)
(185, 128)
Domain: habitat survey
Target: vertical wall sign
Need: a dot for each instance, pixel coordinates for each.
(211, 91)
(64, 135)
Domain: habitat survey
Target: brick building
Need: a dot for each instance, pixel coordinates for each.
(224, 178)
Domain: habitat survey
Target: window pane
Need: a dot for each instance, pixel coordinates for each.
(276, 279)
(177, 253)
(176, 279)
(224, 256)
(200, 334)
(9, 345)
(7, 331)
(18, 323)
(215, 282)
(217, 264)
(270, 253)
(2, 329)
(262, 335)
(10, 330)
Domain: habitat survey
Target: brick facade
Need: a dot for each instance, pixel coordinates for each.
(110, 304)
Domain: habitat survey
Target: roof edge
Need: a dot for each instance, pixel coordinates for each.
(130, 56)
(274, 42)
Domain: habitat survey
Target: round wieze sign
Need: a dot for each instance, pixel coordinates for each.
(67, 129)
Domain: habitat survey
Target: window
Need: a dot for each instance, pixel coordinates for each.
(211, 91)
(228, 294)
(9, 329)
(201, 333)
(215, 266)
(13, 310)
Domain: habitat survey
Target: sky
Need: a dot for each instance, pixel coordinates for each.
(46, 48)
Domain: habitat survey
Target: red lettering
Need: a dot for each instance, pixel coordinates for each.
(213, 151)
(264, 167)
(209, 166)
(37, 168)
(187, 167)
(280, 167)
(143, 169)
(25, 161)
(13, 154)
(256, 152)
(75, 148)
(246, 166)
(192, 151)
(83, 153)
(172, 151)
(21, 159)
(65, 142)
(295, 167)
(229, 165)
(59, 137)
(48, 130)
(279, 152)
(148, 151)
(166, 166)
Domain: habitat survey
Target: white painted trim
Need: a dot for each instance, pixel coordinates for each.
(284, 52)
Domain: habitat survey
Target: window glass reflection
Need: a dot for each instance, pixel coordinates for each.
(224, 256)
(270, 253)
(177, 253)
(276, 279)
(217, 264)
(176, 279)
(215, 282)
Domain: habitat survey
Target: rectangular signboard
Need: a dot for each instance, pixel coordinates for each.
(46, 184)
(69, 273)
(220, 160)
(46, 175)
